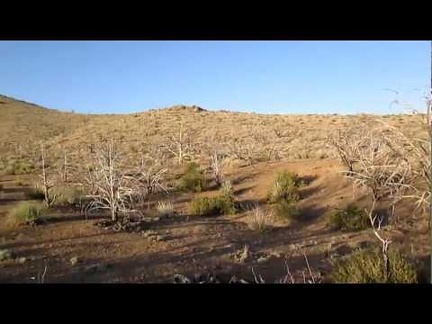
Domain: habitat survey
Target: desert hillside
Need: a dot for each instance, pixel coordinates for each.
(24, 125)
(264, 192)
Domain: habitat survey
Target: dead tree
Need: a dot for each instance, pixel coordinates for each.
(47, 181)
(109, 184)
(376, 221)
(415, 152)
(179, 145)
(244, 150)
(349, 145)
(217, 159)
(65, 168)
(386, 173)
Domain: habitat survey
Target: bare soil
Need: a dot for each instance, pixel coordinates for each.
(71, 249)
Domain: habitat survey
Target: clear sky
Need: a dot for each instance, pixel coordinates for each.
(260, 76)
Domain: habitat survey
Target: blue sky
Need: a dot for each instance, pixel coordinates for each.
(260, 76)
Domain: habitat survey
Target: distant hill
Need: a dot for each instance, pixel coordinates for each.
(24, 125)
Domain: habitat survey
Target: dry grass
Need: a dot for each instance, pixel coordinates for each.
(259, 219)
(165, 208)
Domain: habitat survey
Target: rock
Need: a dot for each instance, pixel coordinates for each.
(6, 255)
(276, 254)
(74, 260)
(159, 238)
(262, 259)
(22, 260)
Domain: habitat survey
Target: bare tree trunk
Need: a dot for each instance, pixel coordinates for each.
(385, 242)
(45, 182)
(65, 168)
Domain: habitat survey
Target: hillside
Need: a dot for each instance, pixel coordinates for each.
(172, 238)
(24, 125)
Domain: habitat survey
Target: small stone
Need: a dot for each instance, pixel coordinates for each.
(74, 261)
(276, 254)
(22, 260)
(262, 260)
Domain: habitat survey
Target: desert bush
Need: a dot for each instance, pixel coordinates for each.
(205, 206)
(368, 267)
(288, 211)
(165, 208)
(351, 218)
(226, 199)
(25, 213)
(193, 179)
(222, 204)
(286, 187)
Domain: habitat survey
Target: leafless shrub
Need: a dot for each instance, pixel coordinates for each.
(349, 144)
(392, 166)
(244, 150)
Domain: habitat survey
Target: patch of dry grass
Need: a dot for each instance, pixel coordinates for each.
(259, 218)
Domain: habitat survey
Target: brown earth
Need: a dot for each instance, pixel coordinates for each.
(188, 245)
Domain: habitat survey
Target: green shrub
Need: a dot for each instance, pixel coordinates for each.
(368, 267)
(220, 205)
(288, 211)
(286, 187)
(193, 179)
(226, 199)
(204, 206)
(351, 218)
(25, 213)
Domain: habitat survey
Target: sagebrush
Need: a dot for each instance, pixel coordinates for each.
(222, 204)
(352, 218)
(368, 267)
(286, 187)
(193, 179)
(26, 213)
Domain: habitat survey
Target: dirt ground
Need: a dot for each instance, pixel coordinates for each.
(71, 249)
